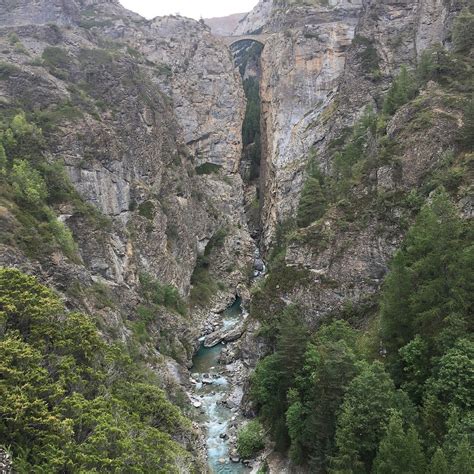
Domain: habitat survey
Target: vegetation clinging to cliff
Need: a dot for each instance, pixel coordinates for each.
(70, 402)
(32, 187)
(397, 394)
(333, 398)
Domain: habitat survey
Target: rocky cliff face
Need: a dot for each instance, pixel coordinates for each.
(333, 61)
(255, 20)
(224, 26)
(311, 60)
(146, 117)
(327, 80)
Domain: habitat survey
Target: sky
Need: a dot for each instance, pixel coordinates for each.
(190, 8)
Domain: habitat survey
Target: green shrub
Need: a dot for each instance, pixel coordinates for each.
(69, 399)
(147, 210)
(63, 237)
(367, 53)
(27, 183)
(208, 168)
(203, 285)
(312, 204)
(35, 184)
(7, 70)
(13, 38)
(250, 439)
(155, 293)
(57, 61)
(58, 114)
(95, 56)
(401, 91)
(217, 241)
(439, 65)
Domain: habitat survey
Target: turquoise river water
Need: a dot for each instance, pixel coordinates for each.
(215, 416)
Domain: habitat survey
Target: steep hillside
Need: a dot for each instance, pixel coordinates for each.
(364, 132)
(146, 129)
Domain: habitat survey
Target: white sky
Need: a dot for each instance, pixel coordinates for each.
(190, 8)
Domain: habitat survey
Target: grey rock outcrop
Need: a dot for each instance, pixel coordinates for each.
(256, 19)
(309, 51)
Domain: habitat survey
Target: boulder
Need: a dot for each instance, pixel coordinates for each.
(224, 335)
(259, 265)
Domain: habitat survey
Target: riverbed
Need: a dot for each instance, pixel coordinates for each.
(212, 388)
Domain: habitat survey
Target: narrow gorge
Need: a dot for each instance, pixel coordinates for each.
(237, 245)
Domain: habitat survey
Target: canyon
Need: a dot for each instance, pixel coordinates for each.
(185, 155)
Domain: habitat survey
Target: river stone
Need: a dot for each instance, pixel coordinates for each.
(207, 381)
(224, 335)
(259, 265)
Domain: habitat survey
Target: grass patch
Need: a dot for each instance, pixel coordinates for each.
(156, 293)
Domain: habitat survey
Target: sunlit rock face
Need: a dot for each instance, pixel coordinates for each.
(307, 47)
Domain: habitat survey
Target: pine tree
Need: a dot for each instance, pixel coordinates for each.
(399, 452)
(312, 202)
(329, 366)
(463, 462)
(275, 374)
(463, 31)
(363, 418)
(430, 280)
(439, 464)
(401, 91)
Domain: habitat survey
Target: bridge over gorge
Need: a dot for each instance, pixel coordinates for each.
(259, 38)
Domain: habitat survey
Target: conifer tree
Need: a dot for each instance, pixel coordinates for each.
(401, 91)
(363, 418)
(312, 202)
(463, 462)
(399, 452)
(439, 464)
(430, 281)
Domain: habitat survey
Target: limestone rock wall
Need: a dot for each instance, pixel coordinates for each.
(321, 67)
(150, 101)
(309, 54)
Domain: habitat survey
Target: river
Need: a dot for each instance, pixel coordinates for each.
(212, 388)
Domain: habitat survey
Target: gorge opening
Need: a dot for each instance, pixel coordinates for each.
(247, 54)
